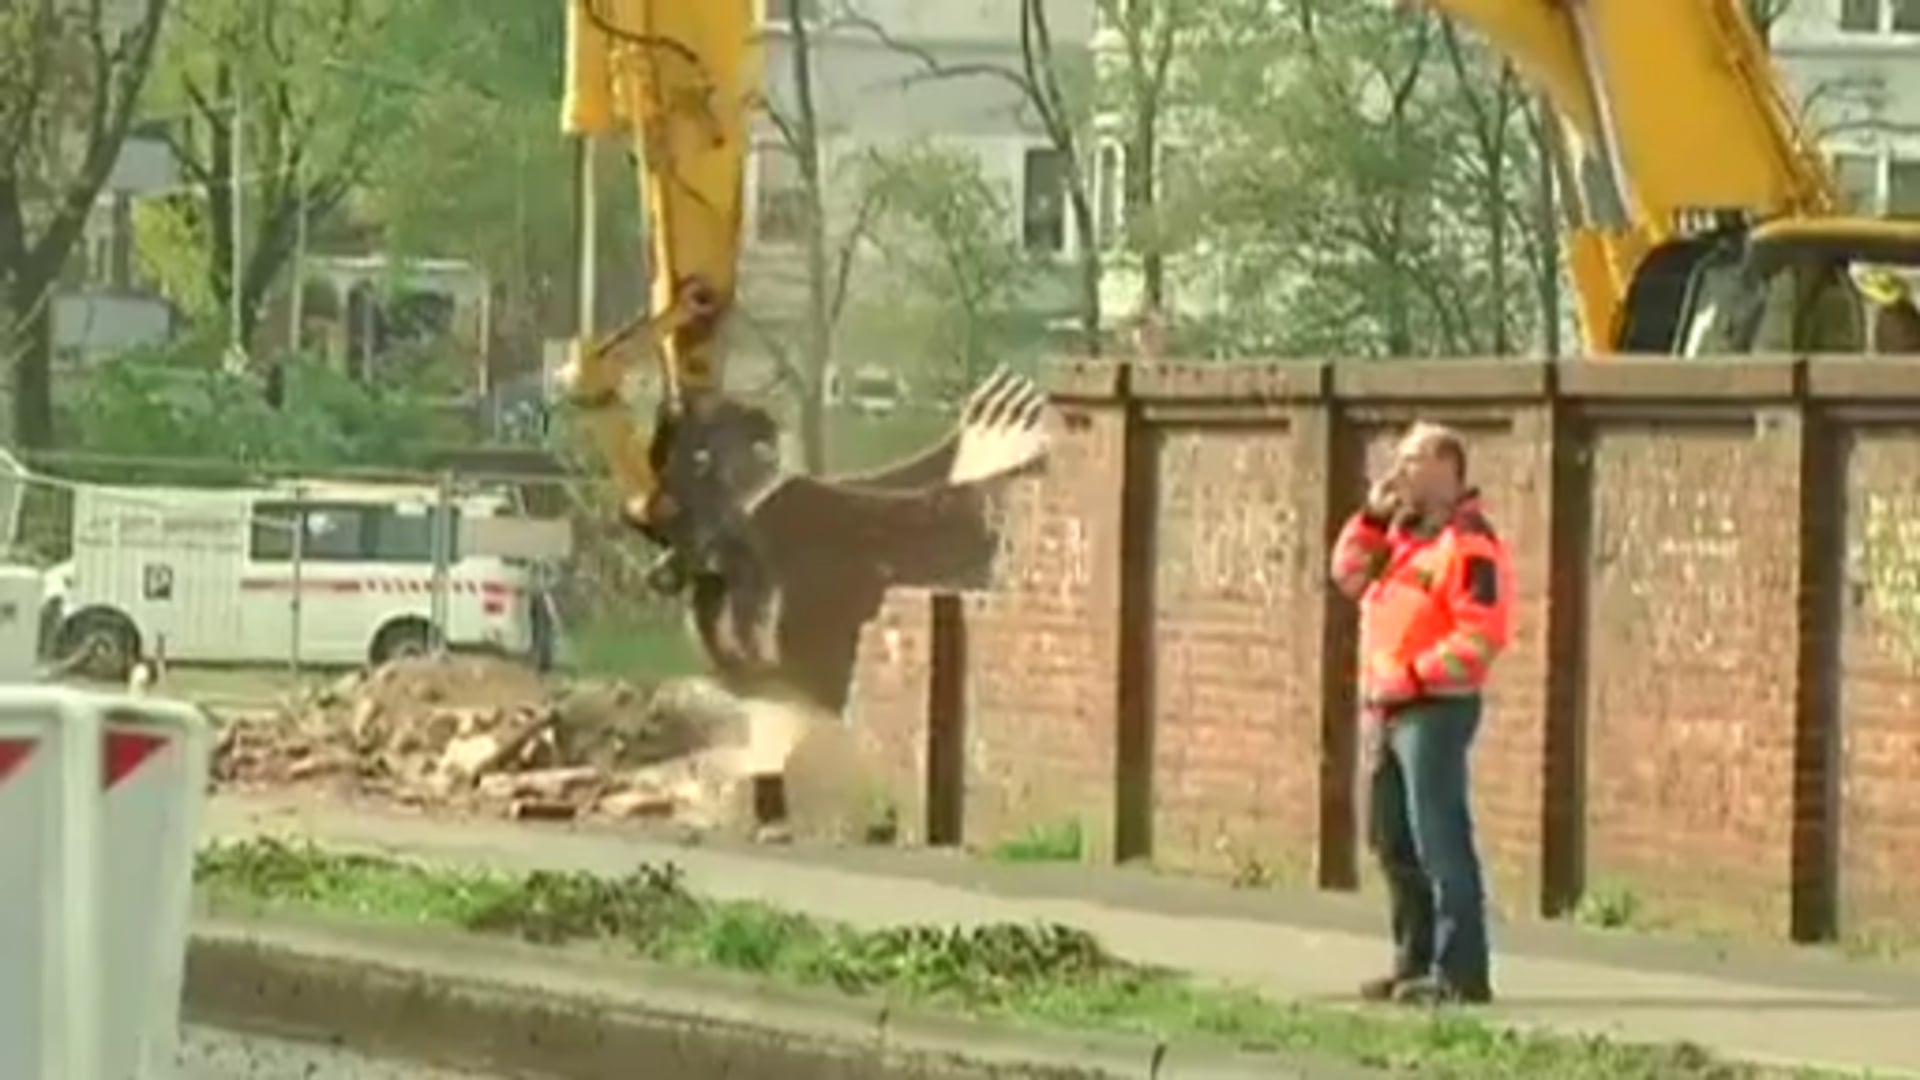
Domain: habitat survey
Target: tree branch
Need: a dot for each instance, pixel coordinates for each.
(782, 123)
(30, 90)
(111, 115)
(934, 67)
(863, 219)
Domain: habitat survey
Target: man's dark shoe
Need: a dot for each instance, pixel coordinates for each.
(1435, 992)
(1384, 988)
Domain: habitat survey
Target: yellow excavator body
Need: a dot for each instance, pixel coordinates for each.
(1692, 186)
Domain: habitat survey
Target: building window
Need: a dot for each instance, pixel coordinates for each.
(779, 12)
(1858, 176)
(780, 199)
(349, 533)
(1880, 16)
(1903, 188)
(1043, 200)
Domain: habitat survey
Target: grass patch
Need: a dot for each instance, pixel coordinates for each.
(648, 645)
(1611, 907)
(1038, 974)
(858, 443)
(1060, 842)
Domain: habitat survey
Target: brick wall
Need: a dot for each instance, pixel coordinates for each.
(1879, 648)
(1709, 702)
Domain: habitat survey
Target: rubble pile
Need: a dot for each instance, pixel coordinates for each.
(476, 733)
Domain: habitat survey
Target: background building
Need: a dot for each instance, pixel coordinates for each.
(1855, 66)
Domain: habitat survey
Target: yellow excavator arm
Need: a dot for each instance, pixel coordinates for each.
(782, 569)
(680, 79)
(1675, 127)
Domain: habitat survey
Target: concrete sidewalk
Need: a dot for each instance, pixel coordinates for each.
(1757, 1004)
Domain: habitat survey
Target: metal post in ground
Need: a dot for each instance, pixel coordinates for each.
(296, 559)
(442, 533)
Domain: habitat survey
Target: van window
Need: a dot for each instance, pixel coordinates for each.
(272, 539)
(335, 533)
(347, 532)
(397, 536)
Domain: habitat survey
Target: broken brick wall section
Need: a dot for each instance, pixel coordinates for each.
(1710, 709)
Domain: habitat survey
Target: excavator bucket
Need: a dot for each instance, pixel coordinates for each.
(808, 559)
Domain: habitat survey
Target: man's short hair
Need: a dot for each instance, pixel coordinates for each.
(1448, 445)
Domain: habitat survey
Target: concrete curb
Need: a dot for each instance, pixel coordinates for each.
(468, 1002)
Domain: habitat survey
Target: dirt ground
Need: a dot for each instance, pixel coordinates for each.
(488, 736)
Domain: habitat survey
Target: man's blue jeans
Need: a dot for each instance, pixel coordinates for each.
(1422, 830)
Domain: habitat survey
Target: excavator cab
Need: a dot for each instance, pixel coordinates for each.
(1809, 285)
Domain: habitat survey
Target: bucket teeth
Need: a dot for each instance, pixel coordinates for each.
(1002, 429)
(1006, 400)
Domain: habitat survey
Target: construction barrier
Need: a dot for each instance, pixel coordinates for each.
(100, 804)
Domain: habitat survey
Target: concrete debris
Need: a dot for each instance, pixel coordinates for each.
(483, 734)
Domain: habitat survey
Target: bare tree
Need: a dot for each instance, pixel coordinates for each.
(947, 255)
(829, 266)
(1389, 236)
(1149, 31)
(1551, 215)
(313, 122)
(70, 77)
(1492, 115)
(1042, 86)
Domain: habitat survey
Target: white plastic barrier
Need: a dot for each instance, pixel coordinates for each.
(100, 804)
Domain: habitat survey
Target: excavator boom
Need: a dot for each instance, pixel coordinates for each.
(1674, 123)
(782, 570)
(680, 77)
(1673, 103)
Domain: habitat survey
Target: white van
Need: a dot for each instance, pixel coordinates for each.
(209, 575)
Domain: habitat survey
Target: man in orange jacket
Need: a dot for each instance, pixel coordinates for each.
(1433, 584)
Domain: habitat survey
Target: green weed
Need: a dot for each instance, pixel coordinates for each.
(1060, 842)
(1041, 974)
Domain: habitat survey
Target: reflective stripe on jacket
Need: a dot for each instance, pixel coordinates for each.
(1434, 609)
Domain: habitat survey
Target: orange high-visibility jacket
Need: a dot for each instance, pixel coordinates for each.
(1433, 609)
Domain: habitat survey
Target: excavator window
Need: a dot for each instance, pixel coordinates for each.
(1896, 329)
(1819, 308)
(1806, 307)
(1829, 315)
(1893, 322)
(1724, 307)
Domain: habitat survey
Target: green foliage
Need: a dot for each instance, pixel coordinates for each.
(1350, 207)
(1060, 842)
(176, 403)
(174, 257)
(22, 28)
(480, 171)
(632, 639)
(1610, 907)
(1142, 89)
(298, 83)
(1044, 974)
(952, 280)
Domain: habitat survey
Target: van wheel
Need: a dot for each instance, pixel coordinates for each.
(401, 640)
(100, 645)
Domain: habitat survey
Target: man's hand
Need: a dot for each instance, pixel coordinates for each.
(1385, 497)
